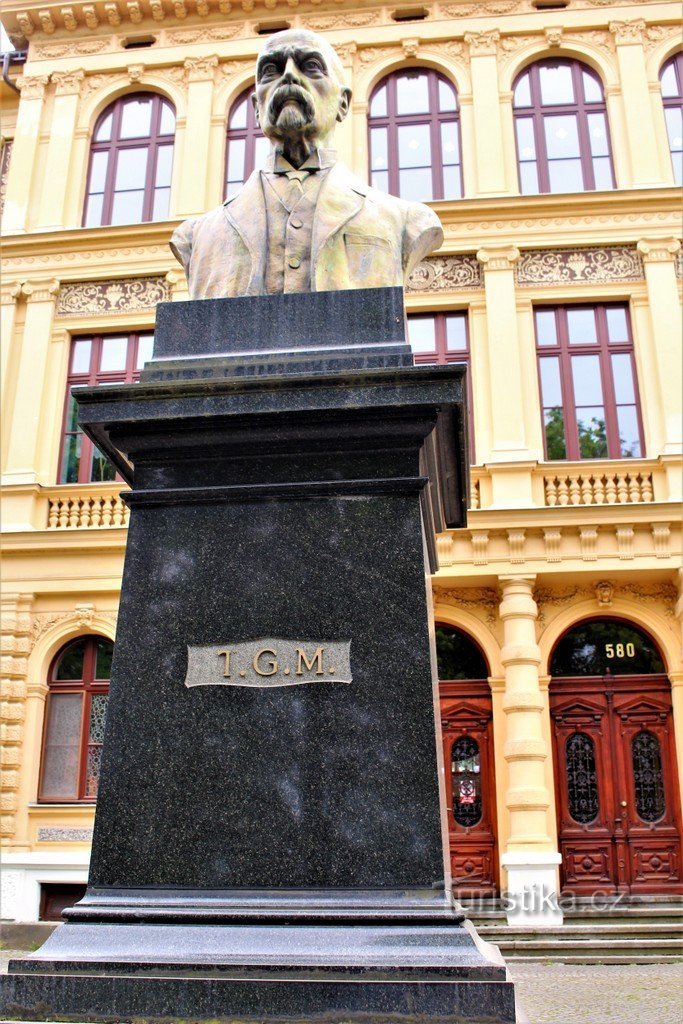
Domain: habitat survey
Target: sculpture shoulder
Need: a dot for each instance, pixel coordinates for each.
(185, 235)
(420, 227)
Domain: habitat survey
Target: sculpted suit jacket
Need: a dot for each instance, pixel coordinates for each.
(361, 238)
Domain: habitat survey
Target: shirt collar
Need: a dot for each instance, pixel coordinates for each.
(319, 160)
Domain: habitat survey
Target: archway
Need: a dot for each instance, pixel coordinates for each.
(467, 734)
(618, 803)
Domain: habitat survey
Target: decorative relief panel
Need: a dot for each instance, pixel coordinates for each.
(479, 600)
(592, 266)
(446, 273)
(87, 297)
(54, 834)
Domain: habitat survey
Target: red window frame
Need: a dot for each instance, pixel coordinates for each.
(536, 111)
(442, 355)
(674, 102)
(434, 118)
(604, 349)
(88, 686)
(155, 141)
(250, 134)
(92, 377)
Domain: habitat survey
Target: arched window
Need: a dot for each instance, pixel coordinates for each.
(414, 136)
(563, 142)
(605, 647)
(78, 687)
(131, 157)
(582, 780)
(671, 79)
(246, 147)
(458, 657)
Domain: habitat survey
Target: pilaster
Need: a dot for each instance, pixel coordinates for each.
(15, 627)
(53, 199)
(488, 130)
(640, 130)
(24, 153)
(659, 256)
(9, 294)
(194, 182)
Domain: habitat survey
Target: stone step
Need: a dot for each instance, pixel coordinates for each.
(606, 930)
(597, 958)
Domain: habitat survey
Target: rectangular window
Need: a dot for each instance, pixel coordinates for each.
(97, 360)
(443, 338)
(587, 376)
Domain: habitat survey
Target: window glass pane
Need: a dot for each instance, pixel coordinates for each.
(551, 391)
(102, 469)
(556, 84)
(103, 133)
(449, 143)
(114, 353)
(581, 327)
(145, 349)
(456, 333)
(160, 204)
(167, 122)
(70, 665)
(380, 180)
(62, 742)
(526, 144)
(414, 146)
(378, 106)
(522, 97)
(561, 137)
(98, 707)
(457, 656)
(72, 414)
(622, 373)
(105, 653)
(416, 185)
(629, 433)
(592, 433)
(555, 441)
(617, 324)
(668, 80)
(602, 173)
(674, 127)
(422, 333)
(565, 176)
(412, 94)
(80, 359)
(582, 783)
(447, 98)
(131, 169)
(596, 647)
(164, 165)
(238, 116)
(587, 380)
(237, 149)
(93, 214)
(92, 772)
(648, 777)
(379, 153)
(136, 119)
(127, 207)
(452, 183)
(597, 130)
(528, 178)
(71, 458)
(261, 152)
(98, 171)
(466, 778)
(546, 327)
(592, 90)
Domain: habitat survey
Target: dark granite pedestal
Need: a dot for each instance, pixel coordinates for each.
(269, 838)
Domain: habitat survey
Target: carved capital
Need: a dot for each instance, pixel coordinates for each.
(200, 69)
(32, 86)
(40, 291)
(67, 83)
(10, 291)
(46, 22)
(25, 24)
(482, 44)
(346, 52)
(499, 259)
(112, 13)
(69, 18)
(134, 11)
(659, 250)
(90, 16)
(626, 32)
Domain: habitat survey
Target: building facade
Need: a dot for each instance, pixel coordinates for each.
(547, 136)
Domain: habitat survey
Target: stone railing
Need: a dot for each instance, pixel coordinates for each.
(86, 507)
(595, 487)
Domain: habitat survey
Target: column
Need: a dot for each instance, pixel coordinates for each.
(15, 629)
(192, 194)
(488, 132)
(52, 209)
(637, 108)
(531, 857)
(659, 256)
(24, 432)
(24, 153)
(676, 679)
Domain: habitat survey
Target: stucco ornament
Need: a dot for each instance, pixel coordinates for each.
(304, 223)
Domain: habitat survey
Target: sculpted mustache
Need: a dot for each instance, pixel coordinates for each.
(290, 92)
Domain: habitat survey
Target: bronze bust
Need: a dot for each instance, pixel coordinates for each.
(304, 223)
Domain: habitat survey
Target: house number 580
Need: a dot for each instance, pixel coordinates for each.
(620, 650)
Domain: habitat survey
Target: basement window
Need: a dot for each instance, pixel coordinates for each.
(550, 5)
(267, 28)
(139, 42)
(411, 14)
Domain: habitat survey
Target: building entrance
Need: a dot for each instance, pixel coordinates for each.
(618, 799)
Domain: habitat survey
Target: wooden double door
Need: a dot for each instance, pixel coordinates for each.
(618, 798)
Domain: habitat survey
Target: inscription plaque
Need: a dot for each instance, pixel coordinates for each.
(268, 662)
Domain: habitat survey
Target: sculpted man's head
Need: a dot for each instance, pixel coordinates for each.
(300, 93)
